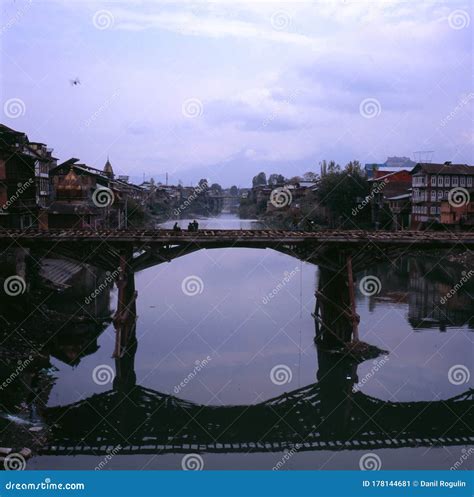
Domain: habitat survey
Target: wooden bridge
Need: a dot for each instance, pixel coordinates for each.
(225, 238)
(338, 253)
(150, 247)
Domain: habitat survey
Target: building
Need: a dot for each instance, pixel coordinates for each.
(24, 180)
(442, 194)
(388, 197)
(85, 197)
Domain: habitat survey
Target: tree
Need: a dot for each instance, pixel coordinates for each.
(203, 184)
(310, 176)
(259, 179)
(216, 188)
(340, 191)
(276, 179)
(234, 191)
(295, 179)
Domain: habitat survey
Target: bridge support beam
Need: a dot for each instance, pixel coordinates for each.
(126, 314)
(335, 315)
(334, 324)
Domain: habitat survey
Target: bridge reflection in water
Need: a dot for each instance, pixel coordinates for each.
(328, 415)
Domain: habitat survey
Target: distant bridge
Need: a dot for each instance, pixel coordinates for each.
(142, 421)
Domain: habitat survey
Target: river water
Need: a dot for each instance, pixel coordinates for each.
(240, 313)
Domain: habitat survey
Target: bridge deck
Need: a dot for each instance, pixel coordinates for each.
(238, 237)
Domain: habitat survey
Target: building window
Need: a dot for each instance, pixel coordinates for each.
(440, 194)
(446, 194)
(469, 181)
(440, 181)
(432, 210)
(454, 181)
(446, 180)
(433, 195)
(433, 180)
(462, 181)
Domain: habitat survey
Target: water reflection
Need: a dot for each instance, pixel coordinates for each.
(438, 296)
(326, 415)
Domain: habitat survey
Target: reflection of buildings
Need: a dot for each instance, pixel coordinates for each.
(77, 343)
(428, 293)
(423, 285)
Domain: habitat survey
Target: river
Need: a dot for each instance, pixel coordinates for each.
(241, 313)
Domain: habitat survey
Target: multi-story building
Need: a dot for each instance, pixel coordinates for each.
(442, 188)
(78, 202)
(24, 180)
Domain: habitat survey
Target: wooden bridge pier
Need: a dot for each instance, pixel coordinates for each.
(126, 314)
(334, 313)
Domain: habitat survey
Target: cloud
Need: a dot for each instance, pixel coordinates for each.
(280, 82)
(192, 24)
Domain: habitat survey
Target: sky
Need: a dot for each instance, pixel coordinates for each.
(223, 90)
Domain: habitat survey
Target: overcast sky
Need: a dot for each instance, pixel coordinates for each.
(225, 89)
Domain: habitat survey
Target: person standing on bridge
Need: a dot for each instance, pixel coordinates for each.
(195, 225)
